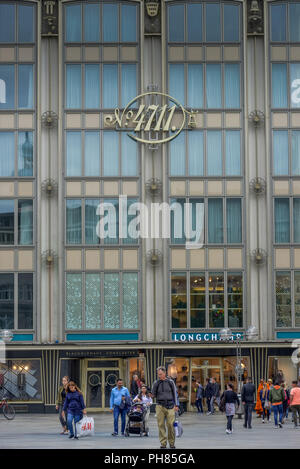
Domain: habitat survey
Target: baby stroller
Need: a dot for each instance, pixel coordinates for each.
(136, 421)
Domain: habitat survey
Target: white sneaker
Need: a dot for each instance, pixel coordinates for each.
(262, 421)
(227, 431)
(208, 413)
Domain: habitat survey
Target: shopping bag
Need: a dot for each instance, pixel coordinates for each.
(85, 427)
(178, 428)
(267, 405)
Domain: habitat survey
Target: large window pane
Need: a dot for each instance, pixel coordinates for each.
(111, 301)
(25, 301)
(283, 299)
(25, 23)
(195, 86)
(129, 223)
(110, 22)
(278, 22)
(195, 152)
(281, 152)
(110, 154)
(296, 153)
(128, 84)
(213, 22)
(176, 82)
(194, 22)
(213, 86)
(296, 220)
(177, 221)
(130, 301)
(25, 222)
(91, 22)
(297, 298)
(214, 153)
(7, 23)
(110, 86)
(216, 299)
(73, 153)
(197, 299)
(176, 23)
(74, 301)
(7, 154)
(233, 153)
(234, 220)
(215, 221)
(177, 155)
(111, 221)
(7, 86)
(179, 300)
(282, 221)
(25, 154)
(73, 222)
(294, 19)
(92, 86)
(6, 301)
(279, 86)
(92, 301)
(25, 86)
(73, 85)
(128, 23)
(231, 23)
(295, 85)
(91, 220)
(7, 210)
(73, 23)
(235, 299)
(232, 86)
(129, 156)
(92, 154)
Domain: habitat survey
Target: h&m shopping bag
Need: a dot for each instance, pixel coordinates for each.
(85, 427)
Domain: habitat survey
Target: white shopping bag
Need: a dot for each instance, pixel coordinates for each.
(178, 428)
(85, 427)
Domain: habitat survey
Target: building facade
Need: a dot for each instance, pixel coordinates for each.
(218, 126)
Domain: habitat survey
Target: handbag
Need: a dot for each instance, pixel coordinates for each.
(222, 405)
(267, 405)
(85, 427)
(178, 428)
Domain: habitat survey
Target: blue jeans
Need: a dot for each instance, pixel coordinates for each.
(277, 409)
(70, 419)
(117, 412)
(199, 405)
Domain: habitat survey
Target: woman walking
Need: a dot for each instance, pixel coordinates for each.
(264, 397)
(144, 398)
(60, 400)
(230, 399)
(74, 406)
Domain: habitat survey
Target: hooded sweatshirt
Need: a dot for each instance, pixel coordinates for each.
(276, 395)
(74, 403)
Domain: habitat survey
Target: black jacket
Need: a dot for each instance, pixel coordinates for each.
(230, 397)
(209, 391)
(248, 393)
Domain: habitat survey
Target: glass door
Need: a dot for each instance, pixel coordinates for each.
(99, 379)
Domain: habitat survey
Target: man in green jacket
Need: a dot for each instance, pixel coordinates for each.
(276, 398)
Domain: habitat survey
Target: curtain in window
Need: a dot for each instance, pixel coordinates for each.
(282, 221)
(195, 86)
(25, 154)
(25, 301)
(177, 155)
(7, 154)
(25, 222)
(92, 301)
(73, 221)
(231, 23)
(278, 22)
(213, 22)
(111, 214)
(73, 301)
(233, 153)
(279, 86)
(128, 23)
(7, 301)
(128, 84)
(110, 154)
(295, 85)
(92, 154)
(7, 210)
(129, 155)
(234, 220)
(111, 301)
(232, 86)
(294, 16)
(91, 220)
(91, 22)
(73, 83)
(7, 23)
(73, 153)
(25, 86)
(92, 86)
(176, 23)
(215, 221)
(281, 152)
(176, 82)
(195, 152)
(73, 23)
(25, 23)
(110, 86)
(130, 301)
(194, 22)
(213, 86)
(296, 153)
(110, 22)
(7, 86)
(214, 153)
(296, 220)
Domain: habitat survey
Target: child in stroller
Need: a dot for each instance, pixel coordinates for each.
(136, 420)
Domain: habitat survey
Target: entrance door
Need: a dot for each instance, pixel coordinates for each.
(99, 383)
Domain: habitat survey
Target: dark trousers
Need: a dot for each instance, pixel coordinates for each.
(199, 405)
(117, 413)
(229, 422)
(63, 420)
(266, 412)
(296, 411)
(248, 408)
(208, 399)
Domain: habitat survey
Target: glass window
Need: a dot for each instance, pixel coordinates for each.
(176, 23)
(130, 301)
(179, 300)
(73, 301)
(195, 153)
(7, 301)
(25, 86)
(296, 152)
(110, 22)
(282, 221)
(235, 299)
(234, 220)
(197, 299)
(25, 154)
(111, 301)
(91, 154)
(215, 221)
(128, 83)
(73, 153)
(281, 152)
(233, 153)
(194, 21)
(216, 299)
(213, 86)
(110, 154)
(129, 155)
(91, 22)
(73, 86)
(91, 220)
(214, 153)
(294, 22)
(92, 86)
(231, 23)
(278, 22)
(111, 221)
(296, 219)
(232, 86)
(25, 222)
(7, 210)
(195, 86)
(128, 23)
(110, 86)
(73, 221)
(279, 86)
(297, 298)
(73, 23)
(176, 82)
(25, 301)
(177, 221)
(177, 155)
(283, 299)
(7, 23)
(295, 85)
(7, 86)
(25, 23)
(7, 154)
(92, 301)
(213, 22)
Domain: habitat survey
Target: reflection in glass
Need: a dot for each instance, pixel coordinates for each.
(296, 153)
(25, 301)
(73, 23)
(74, 301)
(213, 22)
(281, 152)
(73, 153)
(283, 299)
(197, 299)
(179, 300)
(235, 299)
(128, 23)
(7, 86)
(296, 219)
(25, 154)
(25, 23)
(215, 221)
(73, 86)
(234, 220)
(91, 22)
(7, 210)
(25, 86)
(176, 23)
(73, 221)
(7, 154)
(282, 220)
(91, 220)
(278, 22)
(297, 298)
(7, 23)
(25, 222)
(6, 301)
(279, 86)
(295, 88)
(294, 23)
(233, 153)
(194, 22)
(231, 23)
(110, 22)
(216, 299)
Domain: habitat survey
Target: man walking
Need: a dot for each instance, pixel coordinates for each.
(199, 397)
(248, 392)
(164, 390)
(295, 402)
(208, 394)
(215, 395)
(118, 405)
(276, 398)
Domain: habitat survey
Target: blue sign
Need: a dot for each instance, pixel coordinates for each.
(187, 337)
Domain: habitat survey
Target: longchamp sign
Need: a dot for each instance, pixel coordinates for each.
(203, 337)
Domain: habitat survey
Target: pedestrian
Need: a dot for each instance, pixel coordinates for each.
(74, 407)
(215, 396)
(135, 385)
(164, 390)
(144, 398)
(265, 402)
(277, 397)
(230, 399)
(247, 397)
(258, 406)
(199, 397)
(209, 392)
(285, 404)
(295, 402)
(119, 402)
(60, 400)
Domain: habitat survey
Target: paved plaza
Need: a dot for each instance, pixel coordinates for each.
(38, 431)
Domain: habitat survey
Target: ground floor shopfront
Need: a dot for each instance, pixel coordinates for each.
(31, 375)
